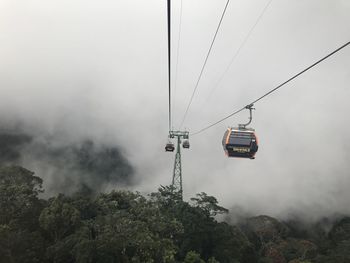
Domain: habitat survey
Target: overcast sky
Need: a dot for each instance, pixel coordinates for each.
(98, 69)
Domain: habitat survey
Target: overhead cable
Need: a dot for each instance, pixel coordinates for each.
(177, 58)
(205, 62)
(271, 91)
(240, 48)
(169, 58)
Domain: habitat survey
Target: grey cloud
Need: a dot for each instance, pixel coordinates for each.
(92, 69)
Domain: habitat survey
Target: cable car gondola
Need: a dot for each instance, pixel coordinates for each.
(169, 147)
(242, 141)
(238, 142)
(186, 144)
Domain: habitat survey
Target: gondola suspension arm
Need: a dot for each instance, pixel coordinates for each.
(250, 108)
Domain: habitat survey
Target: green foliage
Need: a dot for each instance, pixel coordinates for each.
(340, 231)
(127, 227)
(212, 260)
(339, 254)
(19, 203)
(193, 257)
(209, 204)
(59, 218)
(231, 245)
(20, 245)
(20, 237)
(202, 233)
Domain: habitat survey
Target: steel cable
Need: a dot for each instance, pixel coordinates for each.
(205, 62)
(273, 90)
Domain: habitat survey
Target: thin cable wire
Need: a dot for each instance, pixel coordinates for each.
(239, 49)
(169, 58)
(273, 90)
(177, 58)
(205, 62)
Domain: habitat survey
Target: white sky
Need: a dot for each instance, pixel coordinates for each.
(99, 69)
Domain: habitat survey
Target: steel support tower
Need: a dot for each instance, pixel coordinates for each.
(177, 172)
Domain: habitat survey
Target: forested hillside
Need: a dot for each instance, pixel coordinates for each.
(67, 167)
(123, 226)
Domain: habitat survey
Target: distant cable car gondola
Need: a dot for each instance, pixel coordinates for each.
(242, 141)
(186, 144)
(169, 147)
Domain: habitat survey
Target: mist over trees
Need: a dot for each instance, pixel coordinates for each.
(66, 167)
(124, 226)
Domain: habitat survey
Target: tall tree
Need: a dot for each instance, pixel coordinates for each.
(20, 237)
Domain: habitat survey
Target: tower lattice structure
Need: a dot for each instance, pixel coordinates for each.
(177, 172)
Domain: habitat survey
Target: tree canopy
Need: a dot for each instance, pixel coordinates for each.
(125, 226)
